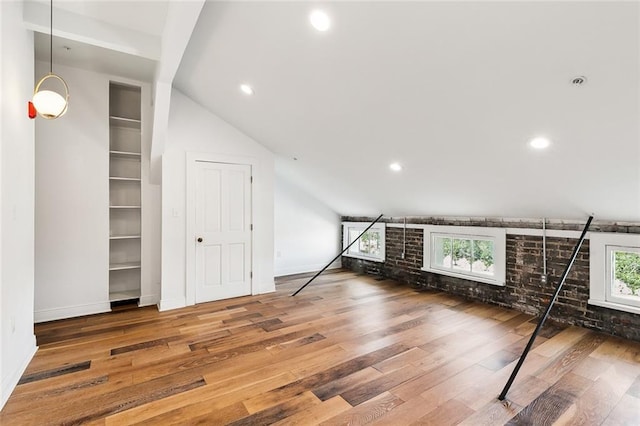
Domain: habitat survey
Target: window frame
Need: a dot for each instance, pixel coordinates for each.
(601, 246)
(361, 226)
(497, 236)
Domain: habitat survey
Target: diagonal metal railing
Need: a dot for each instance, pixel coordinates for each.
(338, 256)
(503, 394)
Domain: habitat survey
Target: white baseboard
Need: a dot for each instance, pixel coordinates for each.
(168, 304)
(281, 272)
(71, 311)
(9, 383)
(152, 299)
(271, 288)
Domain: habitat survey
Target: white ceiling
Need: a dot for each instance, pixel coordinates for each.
(145, 16)
(452, 90)
(120, 38)
(94, 58)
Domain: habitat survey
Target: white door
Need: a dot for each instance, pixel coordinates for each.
(223, 231)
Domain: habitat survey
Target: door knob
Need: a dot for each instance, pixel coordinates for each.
(199, 239)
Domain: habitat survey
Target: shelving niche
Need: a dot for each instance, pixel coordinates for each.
(125, 197)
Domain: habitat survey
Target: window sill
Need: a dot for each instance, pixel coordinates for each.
(465, 277)
(356, 256)
(616, 306)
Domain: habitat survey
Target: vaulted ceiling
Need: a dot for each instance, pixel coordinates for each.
(453, 91)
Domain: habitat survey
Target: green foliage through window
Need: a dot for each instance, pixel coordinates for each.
(627, 269)
(465, 254)
(483, 251)
(368, 244)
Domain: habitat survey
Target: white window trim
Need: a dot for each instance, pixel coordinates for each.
(380, 227)
(497, 235)
(600, 245)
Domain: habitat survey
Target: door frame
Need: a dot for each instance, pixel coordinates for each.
(191, 193)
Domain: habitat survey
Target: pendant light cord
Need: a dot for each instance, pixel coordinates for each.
(51, 37)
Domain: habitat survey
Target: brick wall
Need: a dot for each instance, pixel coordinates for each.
(524, 290)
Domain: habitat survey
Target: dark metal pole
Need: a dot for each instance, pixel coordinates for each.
(336, 258)
(503, 395)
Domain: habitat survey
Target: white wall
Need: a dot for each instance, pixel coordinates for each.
(17, 341)
(307, 231)
(194, 129)
(72, 198)
(4, 393)
(151, 225)
(72, 189)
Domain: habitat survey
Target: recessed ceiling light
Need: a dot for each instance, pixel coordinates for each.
(396, 167)
(246, 89)
(320, 20)
(539, 143)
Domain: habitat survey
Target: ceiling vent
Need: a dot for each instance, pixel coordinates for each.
(579, 80)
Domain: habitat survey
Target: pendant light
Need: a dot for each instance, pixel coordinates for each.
(49, 103)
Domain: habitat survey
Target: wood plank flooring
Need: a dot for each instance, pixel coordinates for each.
(349, 349)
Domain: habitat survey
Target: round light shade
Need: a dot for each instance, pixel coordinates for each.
(48, 103)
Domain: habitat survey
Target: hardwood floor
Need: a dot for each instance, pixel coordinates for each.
(348, 350)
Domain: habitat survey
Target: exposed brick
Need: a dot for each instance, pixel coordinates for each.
(524, 290)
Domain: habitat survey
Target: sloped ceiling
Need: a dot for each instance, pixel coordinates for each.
(451, 90)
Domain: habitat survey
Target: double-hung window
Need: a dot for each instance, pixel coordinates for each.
(370, 246)
(473, 253)
(615, 271)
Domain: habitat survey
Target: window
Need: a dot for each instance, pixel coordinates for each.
(472, 253)
(615, 271)
(370, 246)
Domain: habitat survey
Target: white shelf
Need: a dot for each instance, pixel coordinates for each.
(125, 154)
(117, 296)
(124, 178)
(123, 266)
(129, 123)
(125, 192)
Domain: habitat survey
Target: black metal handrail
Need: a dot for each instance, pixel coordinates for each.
(503, 394)
(336, 258)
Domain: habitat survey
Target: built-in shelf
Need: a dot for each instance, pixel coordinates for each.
(125, 153)
(124, 178)
(129, 123)
(125, 192)
(124, 265)
(117, 296)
